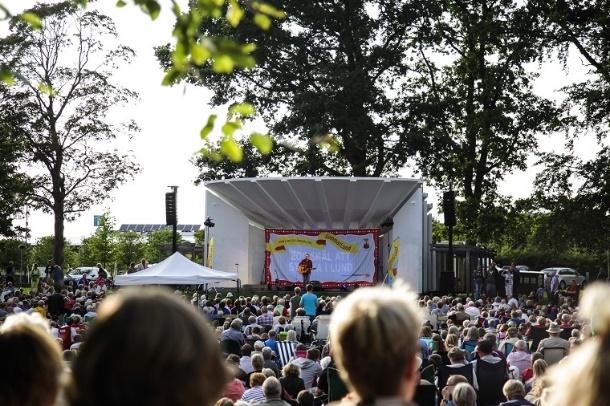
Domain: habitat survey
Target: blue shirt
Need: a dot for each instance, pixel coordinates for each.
(273, 345)
(310, 303)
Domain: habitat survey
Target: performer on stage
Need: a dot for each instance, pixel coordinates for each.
(305, 267)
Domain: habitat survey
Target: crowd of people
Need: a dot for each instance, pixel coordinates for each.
(86, 345)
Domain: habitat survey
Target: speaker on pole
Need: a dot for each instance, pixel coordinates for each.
(170, 208)
(449, 207)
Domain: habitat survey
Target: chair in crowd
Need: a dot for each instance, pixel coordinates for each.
(491, 379)
(553, 355)
(426, 394)
(444, 372)
(322, 328)
(537, 335)
(286, 351)
(470, 346)
(230, 347)
(428, 373)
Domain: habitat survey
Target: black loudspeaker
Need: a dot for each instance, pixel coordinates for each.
(171, 217)
(317, 286)
(449, 207)
(447, 282)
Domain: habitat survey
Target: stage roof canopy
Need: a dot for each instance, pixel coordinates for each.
(316, 202)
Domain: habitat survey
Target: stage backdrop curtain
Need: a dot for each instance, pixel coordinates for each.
(339, 256)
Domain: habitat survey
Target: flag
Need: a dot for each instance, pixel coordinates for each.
(211, 253)
(393, 262)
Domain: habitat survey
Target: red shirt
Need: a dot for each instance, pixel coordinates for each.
(234, 390)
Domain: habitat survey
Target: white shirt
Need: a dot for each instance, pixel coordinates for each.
(473, 311)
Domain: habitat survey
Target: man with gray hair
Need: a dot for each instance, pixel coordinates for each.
(234, 333)
(269, 363)
(272, 389)
(251, 324)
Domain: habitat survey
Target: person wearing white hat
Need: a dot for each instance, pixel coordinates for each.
(554, 341)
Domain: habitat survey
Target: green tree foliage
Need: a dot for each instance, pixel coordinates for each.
(158, 245)
(42, 252)
(129, 248)
(64, 94)
(101, 246)
(476, 118)
(583, 27)
(575, 195)
(327, 79)
(10, 251)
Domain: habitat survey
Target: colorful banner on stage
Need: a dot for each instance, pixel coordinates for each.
(338, 256)
(393, 262)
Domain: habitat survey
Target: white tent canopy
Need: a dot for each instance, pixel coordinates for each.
(175, 270)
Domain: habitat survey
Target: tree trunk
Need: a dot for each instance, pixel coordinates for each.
(58, 242)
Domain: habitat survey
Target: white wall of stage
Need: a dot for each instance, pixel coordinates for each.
(243, 208)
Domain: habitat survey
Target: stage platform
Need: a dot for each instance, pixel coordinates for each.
(263, 290)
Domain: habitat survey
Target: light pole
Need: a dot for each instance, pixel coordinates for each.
(208, 223)
(21, 248)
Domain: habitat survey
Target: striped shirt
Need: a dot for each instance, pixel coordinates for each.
(254, 395)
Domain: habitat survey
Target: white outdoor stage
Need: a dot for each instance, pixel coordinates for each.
(348, 226)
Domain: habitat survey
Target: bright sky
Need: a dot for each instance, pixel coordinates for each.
(170, 120)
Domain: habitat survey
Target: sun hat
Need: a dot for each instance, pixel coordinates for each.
(554, 328)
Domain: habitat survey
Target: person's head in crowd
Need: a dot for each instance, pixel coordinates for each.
(233, 359)
(309, 288)
(268, 372)
(246, 350)
(259, 345)
(131, 356)
(272, 388)
(267, 353)
(520, 345)
(472, 334)
(554, 330)
(456, 356)
(297, 291)
(305, 398)
(272, 334)
(257, 379)
(589, 364)
(252, 320)
(236, 324)
(451, 341)
(464, 395)
(291, 369)
(426, 331)
(513, 389)
(291, 335)
(484, 347)
(512, 332)
(224, 402)
(258, 362)
(539, 368)
(436, 360)
(363, 332)
(536, 356)
(32, 362)
(301, 312)
(313, 354)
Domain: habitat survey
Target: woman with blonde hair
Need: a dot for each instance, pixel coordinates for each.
(451, 341)
(377, 368)
(586, 383)
(32, 367)
(291, 379)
